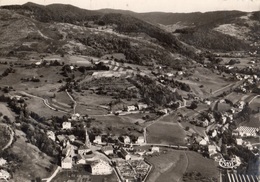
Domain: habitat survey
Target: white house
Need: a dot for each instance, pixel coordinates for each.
(203, 142)
(131, 108)
(101, 168)
(141, 106)
(212, 149)
(51, 135)
(127, 140)
(2, 161)
(66, 125)
(4, 174)
(155, 149)
(239, 141)
(66, 163)
(108, 150)
(98, 140)
(140, 140)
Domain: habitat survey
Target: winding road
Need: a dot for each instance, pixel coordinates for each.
(11, 136)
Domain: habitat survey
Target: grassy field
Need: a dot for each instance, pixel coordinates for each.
(255, 103)
(166, 133)
(207, 167)
(168, 167)
(37, 106)
(118, 126)
(34, 162)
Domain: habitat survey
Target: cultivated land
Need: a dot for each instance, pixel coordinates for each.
(166, 133)
(168, 167)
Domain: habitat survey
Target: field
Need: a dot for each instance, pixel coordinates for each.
(117, 125)
(207, 167)
(210, 81)
(36, 105)
(255, 103)
(81, 175)
(166, 133)
(34, 162)
(6, 112)
(168, 167)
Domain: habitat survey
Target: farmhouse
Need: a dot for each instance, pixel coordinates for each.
(101, 168)
(66, 163)
(4, 174)
(66, 125)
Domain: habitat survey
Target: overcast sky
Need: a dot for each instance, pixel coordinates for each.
(154, 5)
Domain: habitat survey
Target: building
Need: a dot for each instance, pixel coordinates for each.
(203, 142)
(66, 125)
(51, 135)
(83, 150)
(239, 141)
(72, 138)
(125, 154)
(98, 140)
(155, 149)
(108, 150)
(101, 168)
(140, 140)
(4, 174)
(2, 161)
(245, 131)
(66, 163)
(212, 149)
(131, 108)
(127, 140)
(75, 117)
(141, 106)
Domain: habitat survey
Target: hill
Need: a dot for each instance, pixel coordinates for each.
(56, 27)
(217, 31)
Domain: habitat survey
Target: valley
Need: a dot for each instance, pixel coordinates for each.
(111, 96)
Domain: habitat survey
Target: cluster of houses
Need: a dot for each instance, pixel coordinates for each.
(100, 155)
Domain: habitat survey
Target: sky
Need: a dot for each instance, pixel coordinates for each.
(154, 5)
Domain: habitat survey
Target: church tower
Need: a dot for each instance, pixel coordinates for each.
(87, 141)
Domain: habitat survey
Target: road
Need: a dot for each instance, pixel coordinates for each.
(75, 102)
(11, 136)
(53, 175)
(45, 101)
